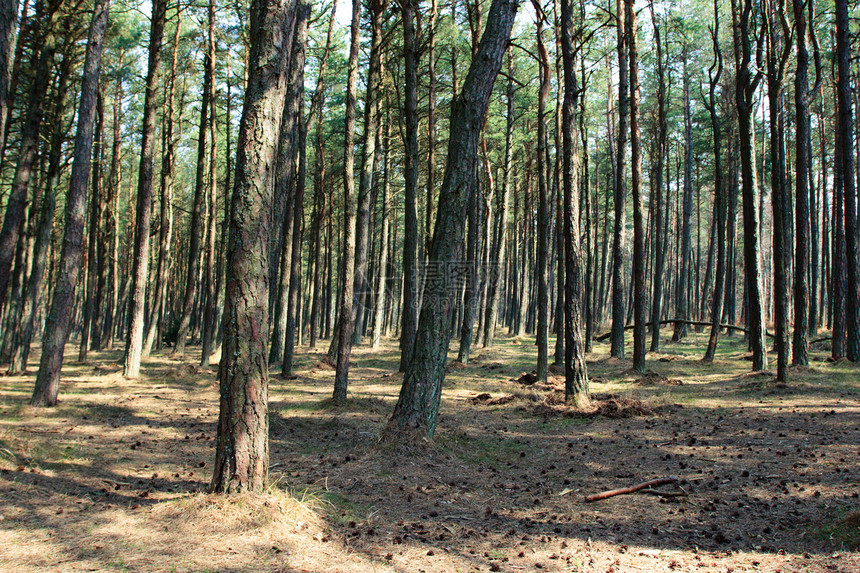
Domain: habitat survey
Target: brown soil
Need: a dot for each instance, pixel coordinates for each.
(111, 480)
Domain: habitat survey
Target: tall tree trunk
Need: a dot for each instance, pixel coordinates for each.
(409, 323)
(208, 333)
(94, 230)
(41, 249)
(368, 167)
(497, 269)
(382, 270)
(140, 262)
(617, 335)
(57, 326)
(686, 257)
(242, 445)
(638, 199)
(40, 60)
(297, 77)
(345, 317)
(8, 30)
(719, 214)
(662, 151)
(543, 210)
(745, 86)
(845, 164)
(576, 388)
(165, 230)
(778, 50)
(417, 408)
(198, 210)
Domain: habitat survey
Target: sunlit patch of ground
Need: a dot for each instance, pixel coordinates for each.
(113, 478)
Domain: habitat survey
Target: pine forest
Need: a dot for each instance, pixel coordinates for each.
(429, 285)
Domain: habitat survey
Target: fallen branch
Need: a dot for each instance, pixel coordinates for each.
(648, 484)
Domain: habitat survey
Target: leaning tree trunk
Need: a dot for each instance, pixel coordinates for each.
(57, 324)
(140, 261)
(242, 446)
(417, 408)
(40, 61)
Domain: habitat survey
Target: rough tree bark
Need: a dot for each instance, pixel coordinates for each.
(242, 446)
(345, 318)
(620, 193)
(417, 407)
(140, 261)
(638, 199)
(576, 388)
(57, 325)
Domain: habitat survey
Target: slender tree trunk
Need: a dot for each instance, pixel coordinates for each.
(198, 211)
(686, 256)
(57, 326)
(409, 323)
(345, 318)
(617, 338)
(745, 86)
(93, 230)
(140, 262)
(845, 164)
(368, 167)
(165, 231)
(543, 212)
(662, 151)
(208, 333)
(638, 199)
(778, 50)
(497, 269)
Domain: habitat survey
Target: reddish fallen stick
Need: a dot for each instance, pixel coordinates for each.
(635, 488)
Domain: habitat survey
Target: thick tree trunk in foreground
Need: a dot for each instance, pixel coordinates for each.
(242, 446)
(140, 262)
(417, 408)
(57, 326)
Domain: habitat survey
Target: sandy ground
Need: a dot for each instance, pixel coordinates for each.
(768, 477)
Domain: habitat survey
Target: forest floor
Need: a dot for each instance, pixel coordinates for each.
(112, 479)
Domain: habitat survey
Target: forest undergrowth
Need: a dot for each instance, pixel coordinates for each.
(113, 479)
